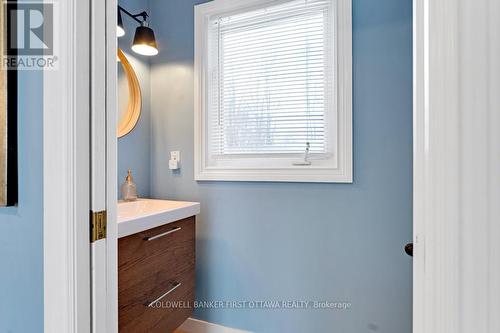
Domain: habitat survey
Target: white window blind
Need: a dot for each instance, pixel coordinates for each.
(271, 80)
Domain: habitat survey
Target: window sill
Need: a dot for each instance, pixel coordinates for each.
(297, 174)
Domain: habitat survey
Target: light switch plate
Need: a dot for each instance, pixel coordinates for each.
(173, 164)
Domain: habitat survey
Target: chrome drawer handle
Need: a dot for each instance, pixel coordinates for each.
(176, 285)
(163, 234)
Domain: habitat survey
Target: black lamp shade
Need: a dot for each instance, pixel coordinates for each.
(120, 30)
(144, 41)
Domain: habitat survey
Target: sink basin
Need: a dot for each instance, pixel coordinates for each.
(144, 214)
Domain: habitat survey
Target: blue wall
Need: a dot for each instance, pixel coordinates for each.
(21, 228)
(134, 149)
(295, 241)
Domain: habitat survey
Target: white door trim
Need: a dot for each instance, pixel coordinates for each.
(66, 174)
(456, 166)
(111, 167)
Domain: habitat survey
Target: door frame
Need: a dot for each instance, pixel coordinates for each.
(111, 49)
(456, 145)
(66, 176)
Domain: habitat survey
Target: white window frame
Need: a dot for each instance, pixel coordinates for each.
(338, 172)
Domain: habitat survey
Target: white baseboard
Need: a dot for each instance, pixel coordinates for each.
(199, 326)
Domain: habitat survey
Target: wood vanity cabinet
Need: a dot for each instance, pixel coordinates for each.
(156, 264)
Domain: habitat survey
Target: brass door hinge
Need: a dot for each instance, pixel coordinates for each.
(98, 225)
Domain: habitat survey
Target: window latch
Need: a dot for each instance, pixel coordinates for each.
(306, 157)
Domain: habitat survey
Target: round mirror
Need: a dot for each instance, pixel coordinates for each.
(130, 107)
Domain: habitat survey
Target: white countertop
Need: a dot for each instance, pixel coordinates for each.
(144, 214)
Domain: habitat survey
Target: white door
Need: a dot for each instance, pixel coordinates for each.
(80, 273)
(103, 167)
(457, 166)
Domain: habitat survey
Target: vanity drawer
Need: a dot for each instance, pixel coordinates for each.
(169, 239)
(155, 263)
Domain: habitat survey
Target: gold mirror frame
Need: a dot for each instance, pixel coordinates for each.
(130, 119)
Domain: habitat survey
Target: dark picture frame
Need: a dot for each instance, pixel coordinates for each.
(9, 108)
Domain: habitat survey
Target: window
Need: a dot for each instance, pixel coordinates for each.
(273, 91)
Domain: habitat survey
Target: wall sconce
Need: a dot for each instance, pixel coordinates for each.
(144, 39)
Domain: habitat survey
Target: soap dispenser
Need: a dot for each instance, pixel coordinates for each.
(129, 189)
